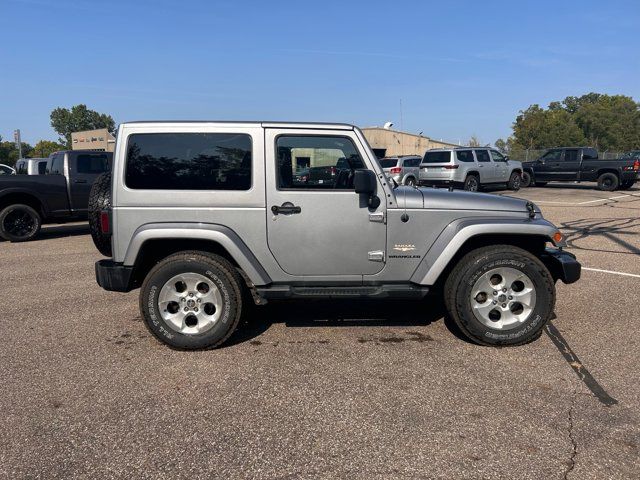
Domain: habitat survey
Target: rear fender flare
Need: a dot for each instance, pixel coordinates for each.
(219, 234)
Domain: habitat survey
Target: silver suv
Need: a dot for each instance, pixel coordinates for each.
(469, 168)
(403, 169)
(208, 218)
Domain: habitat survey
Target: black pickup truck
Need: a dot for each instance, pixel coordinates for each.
(580, 164)
(60, 195)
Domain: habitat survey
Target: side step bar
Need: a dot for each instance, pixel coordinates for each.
(373, 291)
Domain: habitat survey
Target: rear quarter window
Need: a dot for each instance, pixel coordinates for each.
(188, 161)
(388, 162)
(437, 157)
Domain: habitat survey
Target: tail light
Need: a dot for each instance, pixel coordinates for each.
(450, 167)
(636, 165)
(396, 170)
(105, 222)
(333, 171)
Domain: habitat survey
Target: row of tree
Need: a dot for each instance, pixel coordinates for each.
(64, 122)
(606, 122)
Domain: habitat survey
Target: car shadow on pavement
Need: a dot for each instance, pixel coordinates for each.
(58, 231)
(328, 313)
(610, 228)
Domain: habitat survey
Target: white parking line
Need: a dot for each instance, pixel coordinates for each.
(610, 271)
(588, 201)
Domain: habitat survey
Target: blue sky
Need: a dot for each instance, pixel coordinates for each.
(459, 67)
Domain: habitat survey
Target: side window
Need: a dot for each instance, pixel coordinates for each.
(92, 163)
(464, 156)
(21, 167)
(331, 162)
(497, 156)
(482, 156)
(553, 155)
(5, 170)
(42, 168)
(57, 164)
(571, 155)
(414, 162)
(188, 161)
(589, 154)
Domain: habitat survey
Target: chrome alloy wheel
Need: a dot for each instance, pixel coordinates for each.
(190, 303)
(503, 298)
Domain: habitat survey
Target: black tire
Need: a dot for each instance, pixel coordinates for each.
(515, 181)
(471, 183)
(19, 223)
(626, 185)
(608, 182)
(219, 272)
(469, 270)
(410, 182)
(526, 180)
(99, 200)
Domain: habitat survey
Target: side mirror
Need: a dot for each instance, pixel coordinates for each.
(506, 158)
(364, 181)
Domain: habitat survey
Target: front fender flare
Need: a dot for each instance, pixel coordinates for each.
(459, 231)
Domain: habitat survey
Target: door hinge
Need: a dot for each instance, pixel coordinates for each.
(377, 217)
(376, 256)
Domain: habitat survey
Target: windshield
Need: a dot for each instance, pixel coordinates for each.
(437, 157)
(388, 162)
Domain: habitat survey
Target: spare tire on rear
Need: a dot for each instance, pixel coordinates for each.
(100, 200)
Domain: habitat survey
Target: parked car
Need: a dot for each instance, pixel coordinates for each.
(203, 249)
(581, 164)
(62, 194)
(469, 168)
(328, 176)
(31, 166)
(6, 170)
(301, 177)
(404, 169)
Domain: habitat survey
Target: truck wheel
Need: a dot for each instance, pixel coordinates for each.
(19, 223)
(626, 185)
(192, 300)
(410, 182)
(526, 179)
(608, 182)
(472, 183)
(514, 182)
(99, 200)
(500, 296)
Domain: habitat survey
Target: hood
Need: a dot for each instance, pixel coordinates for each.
(443, 199)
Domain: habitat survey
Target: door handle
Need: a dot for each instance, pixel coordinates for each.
(79, 181)
(286, 208)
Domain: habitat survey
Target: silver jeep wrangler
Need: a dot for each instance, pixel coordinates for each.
(208, 218)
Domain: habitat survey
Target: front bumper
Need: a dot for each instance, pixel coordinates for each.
(562, 265)
(113, 276)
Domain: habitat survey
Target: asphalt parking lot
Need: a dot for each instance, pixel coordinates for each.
(324, 389)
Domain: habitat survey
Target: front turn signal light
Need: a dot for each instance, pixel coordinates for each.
(557, 237)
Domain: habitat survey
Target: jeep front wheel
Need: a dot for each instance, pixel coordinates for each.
(192, 300)
(500, 296)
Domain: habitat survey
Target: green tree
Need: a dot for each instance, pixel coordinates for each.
(44, 148)
(607, 122)
(9, 153)
(66, 121)
(474, 141)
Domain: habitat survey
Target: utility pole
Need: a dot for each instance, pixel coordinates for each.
(16, 137)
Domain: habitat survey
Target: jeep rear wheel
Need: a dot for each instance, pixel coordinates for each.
(192, 300)
(472, 183)
(500, 296)
(19, 223)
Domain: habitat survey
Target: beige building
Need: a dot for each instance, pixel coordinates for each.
(100, 140)
(388, 143)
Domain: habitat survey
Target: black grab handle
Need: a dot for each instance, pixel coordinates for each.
(285, 209)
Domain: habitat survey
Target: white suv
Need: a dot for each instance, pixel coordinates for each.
(469, 168)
